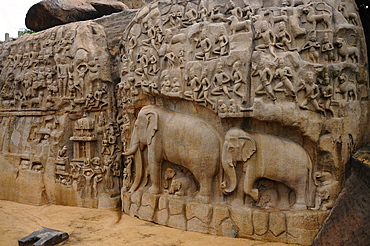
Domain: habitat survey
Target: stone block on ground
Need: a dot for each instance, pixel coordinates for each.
(44, 237)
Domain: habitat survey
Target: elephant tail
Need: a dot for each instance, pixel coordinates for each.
(138, 171)
(310, 187)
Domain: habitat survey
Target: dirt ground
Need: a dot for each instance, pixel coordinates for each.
(95, 227)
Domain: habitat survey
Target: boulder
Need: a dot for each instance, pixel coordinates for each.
(50, 13)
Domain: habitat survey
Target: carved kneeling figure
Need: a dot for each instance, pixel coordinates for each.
(181, 184)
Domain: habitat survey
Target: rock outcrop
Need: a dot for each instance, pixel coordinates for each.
(50, 13)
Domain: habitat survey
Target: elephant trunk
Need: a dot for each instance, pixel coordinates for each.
(134, 144)
(229, 184)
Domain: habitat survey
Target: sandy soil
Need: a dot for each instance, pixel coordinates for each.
(95, 227)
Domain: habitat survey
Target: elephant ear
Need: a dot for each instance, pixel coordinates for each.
(248, 148)
(152, 125)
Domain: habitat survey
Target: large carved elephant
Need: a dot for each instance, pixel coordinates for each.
(182, 139)
(271, 157)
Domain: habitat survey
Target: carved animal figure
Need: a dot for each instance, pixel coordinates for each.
(237, 26)
(181, 184)
(327, 190)
(178, 138)
(345, 52)
(347, 88)
(271, 157)
(314, 18)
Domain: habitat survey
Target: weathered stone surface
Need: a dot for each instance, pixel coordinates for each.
(242, 218)
(50, 13)
(219, 215)
(190, 105)
(260, 221)
(348, 222)
(277, 223)
(148, 206)
(44, 237)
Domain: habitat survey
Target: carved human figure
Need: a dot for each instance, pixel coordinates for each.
(327, 190)
(327, 92)
(221, 82)
(312, 92)
(166, 85)
(222, 42)
(234, 10)
(327, 49)
(312, 47)
(190, 16)
(205, 48)
(127, 175)
(63, 75)
(202, 12)
(247, 11)
(217, 16)
(238, 79)
(283, 38)
(346, 87)
(268, 39)
(170, 57)
(283, 73)
(195, 85)
(266, 77)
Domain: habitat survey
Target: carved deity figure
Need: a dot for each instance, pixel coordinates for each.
(223, 42)
(221, 82)
(283, 38)
(268, 39)
(205, 48)
(238, 79)
(266, 77)
(312, 47)
(327, 49)
(283, 73)
(327, 93)
(311, 93)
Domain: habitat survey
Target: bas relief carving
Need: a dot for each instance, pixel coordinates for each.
(56, 89)
(246, 111)
(240, 103)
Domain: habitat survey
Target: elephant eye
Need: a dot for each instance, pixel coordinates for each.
(231, 149)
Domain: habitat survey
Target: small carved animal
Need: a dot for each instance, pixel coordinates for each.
(237, 26)
(345, 52)
(181, 184)
(314, 18)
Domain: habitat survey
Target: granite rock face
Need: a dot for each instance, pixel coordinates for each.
(235, 118)
(50, 13)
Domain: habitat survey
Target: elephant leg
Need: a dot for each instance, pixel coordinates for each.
(154, 172)
(248, 186)
(300, 203)
(203, 195)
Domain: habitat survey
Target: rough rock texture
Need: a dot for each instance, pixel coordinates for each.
(114, 26)
(49, 13)
(349, 220)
